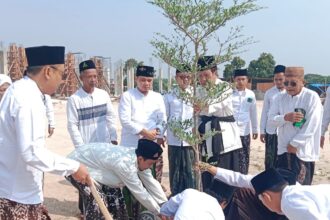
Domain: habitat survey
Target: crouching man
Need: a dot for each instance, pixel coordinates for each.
(114, 167)
(192, 204)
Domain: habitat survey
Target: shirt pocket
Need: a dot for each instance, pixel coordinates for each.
(247, 103)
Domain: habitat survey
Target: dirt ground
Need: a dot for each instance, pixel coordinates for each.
(61, 198)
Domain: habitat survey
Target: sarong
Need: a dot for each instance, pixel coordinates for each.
(112, 197)
(304, 170)
(10, 210)
(245, 205)
(244, 154)
(271, 150)
(182, 175)
(159, 169)
(229, 161)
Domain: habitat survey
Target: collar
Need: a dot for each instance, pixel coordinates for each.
(299, 94)
(34, 86)
(87, 94)
(140, 93)
(278, 90)
(237, 91)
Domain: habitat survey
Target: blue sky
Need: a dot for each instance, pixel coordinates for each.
(296, 32)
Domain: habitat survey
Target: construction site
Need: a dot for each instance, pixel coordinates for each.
(13, 63)
(111, 78)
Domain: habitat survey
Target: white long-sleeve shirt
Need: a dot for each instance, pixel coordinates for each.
(49, 110)
(193, 205)
(137, 112)
(268, 100)
(307, 138)
(245, 111)
(326, 113)
(23, 157)
(91, 117)
(233, 178)
(116, 166)
(177, 110)
(306, 202)
(230, 130)
(298, 202)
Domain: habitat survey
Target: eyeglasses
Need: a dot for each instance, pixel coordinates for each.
(183, 77)
(61, 71)
(291, 83)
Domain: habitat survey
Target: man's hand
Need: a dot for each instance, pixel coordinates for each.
(161, 141)
(50, 131)
(202, 166)
(151, 134)
(197, 109)
(291, 149)
(114, 142)
(293, 116)
(262, 138)
(322, 142)
(82, 175)
(255, 136)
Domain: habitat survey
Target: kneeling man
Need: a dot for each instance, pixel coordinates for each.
(114, 167)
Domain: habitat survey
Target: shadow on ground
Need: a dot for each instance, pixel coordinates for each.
(63, 208)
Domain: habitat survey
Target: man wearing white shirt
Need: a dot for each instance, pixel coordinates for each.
(23, 157)
(114, 167)
(192, 205)
(5, 82)
(245, 203)
(245, 114)
(326, 116)
(296, 201)
(180, 153)
(298, 115)
(268, 133)
(50, 114)
(223, 148)
(142, 113)
(91, 117)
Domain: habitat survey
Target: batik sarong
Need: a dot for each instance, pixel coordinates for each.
(112, 198)
(244, 154)
(10, 210)
(303, 169)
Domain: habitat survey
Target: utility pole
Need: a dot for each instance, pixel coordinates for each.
(160, 80)
(169, 78)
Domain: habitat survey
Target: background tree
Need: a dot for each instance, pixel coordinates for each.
(263, 67)
(155, 84)
(195, 24)
(236, 63)
(316, 78)
(129, 64)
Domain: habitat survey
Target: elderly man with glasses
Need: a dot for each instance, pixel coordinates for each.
(23, 157)
(298, 115)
